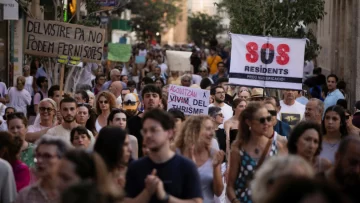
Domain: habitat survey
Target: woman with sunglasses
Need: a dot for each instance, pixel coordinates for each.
(334, 129)
(47, 111)
(105, 101)
(17, 124)
(254, 143)
(195, 142)
(352, 130)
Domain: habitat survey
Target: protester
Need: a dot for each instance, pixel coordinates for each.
(274, 170)
(105, 102)
(257, 94)
(83, 114)
(124, 92)
(42, 83)
(253, 144)
(291, 111)
(118, 118)
(152, 98)
(114, 76)
(213, 60)
(306, 141)
(179, 119)
(244, 94)
(131, 105)
(80, 138)
(47, 110)
(314, 110)
(352, 130)
(186, 81)
(7, 183)
(17, 123)
(219, 100)
(116, 89)
(231, 125)
(333, 94)
(99, 82)
(356, 116)
(146, 177)
(114, 147)
(334, 129)
(3, 124)
(195, 142)
(19, 98)
(9, 150)
(49, 151)
(81, 97)
(221, 72)
(280, 127)
(218, 118)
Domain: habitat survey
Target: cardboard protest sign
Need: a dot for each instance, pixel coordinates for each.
(179, 60)
(53, 38)
(191, 101)
(119, 52)
(267, 62)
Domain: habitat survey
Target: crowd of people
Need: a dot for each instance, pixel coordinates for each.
(117, 141)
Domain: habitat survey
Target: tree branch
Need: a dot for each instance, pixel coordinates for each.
(273, 20)
(25, 10)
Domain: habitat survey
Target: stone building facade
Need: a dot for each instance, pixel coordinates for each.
(339, 35)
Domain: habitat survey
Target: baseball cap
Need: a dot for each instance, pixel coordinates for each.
(130, 101)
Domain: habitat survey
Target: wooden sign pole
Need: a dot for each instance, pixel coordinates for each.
(62, 72)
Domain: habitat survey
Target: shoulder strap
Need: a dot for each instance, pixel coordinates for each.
(41, 95)
(263, 155)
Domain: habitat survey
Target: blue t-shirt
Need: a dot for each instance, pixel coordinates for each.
(179, 176)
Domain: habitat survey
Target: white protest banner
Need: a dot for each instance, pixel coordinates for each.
(267, 62)
(53, 38)
(191, 101)
(179, 60)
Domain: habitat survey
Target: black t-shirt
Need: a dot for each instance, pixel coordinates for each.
(134, 126)
(179, 175)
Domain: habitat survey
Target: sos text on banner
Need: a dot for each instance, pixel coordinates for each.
(190, 101)
(267, 62)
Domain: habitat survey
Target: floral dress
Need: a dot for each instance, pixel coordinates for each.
(246, 174)
(27, 155)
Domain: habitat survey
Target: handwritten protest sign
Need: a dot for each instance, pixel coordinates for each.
(179, 60)
(267, 62)
(53, 38)
(119, 52)
(190, 101)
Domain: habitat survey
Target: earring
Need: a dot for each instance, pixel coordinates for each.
(249, 128)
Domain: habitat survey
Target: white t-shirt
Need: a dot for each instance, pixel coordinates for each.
(119, 101)
(227, 112)
(163, 68)
(3, 90)
(7, 183)
(60, 131)
(291, 115)
(19, 99)
(196, 79)
(28, 84)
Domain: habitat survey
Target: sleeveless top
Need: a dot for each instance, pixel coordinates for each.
(97, 126)
(233, 134)
(206, 178)
(247, 171)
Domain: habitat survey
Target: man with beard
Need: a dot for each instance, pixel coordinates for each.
(151, 95)
(345, 173)
(162, 176)
(68, 110)
(218, 93)
(291, 111)
(314, 110)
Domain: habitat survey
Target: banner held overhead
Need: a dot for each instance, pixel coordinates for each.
(267, 62)
(53, 38)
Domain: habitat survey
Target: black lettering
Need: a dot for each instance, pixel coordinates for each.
(62, 31)
(30, 26)
(99, 38)
(37, 28)
(286, 71)
(99, 53)
(252, 68)
(68, 29)
(247, 68)
(79, 34)
(71, 49)
(30, 40)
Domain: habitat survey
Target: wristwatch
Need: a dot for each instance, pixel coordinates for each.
(166, 198)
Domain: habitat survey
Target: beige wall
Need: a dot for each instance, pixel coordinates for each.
(338, 34)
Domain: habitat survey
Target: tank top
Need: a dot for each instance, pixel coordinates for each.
(97, 126)
(247, 171)
(233, 134)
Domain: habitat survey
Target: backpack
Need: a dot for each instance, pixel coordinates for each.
(31, 107)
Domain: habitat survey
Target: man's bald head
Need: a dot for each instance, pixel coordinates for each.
(116, 88)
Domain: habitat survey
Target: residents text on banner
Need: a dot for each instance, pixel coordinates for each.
(191, 101)
(267, 62)
(53, 38)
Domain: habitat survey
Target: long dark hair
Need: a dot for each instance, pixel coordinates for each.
(10, 146)
(340, 111)
(109, 145)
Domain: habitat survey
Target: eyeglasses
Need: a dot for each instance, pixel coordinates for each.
(262, 120)
(103, 102)
(272, 112)
(130, 103)
(44, 109)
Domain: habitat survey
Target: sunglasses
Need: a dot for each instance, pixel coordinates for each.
(264, 119)
(272, 112)
(44, 109)
(103, 102)
(129, 103)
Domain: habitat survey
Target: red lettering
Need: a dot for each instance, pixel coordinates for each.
(252, 56)
(283, 57)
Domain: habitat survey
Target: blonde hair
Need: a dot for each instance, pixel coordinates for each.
(190, 131)
(277, 167)
(109, 96)
(54, 105)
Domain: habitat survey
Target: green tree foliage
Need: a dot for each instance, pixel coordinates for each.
(152, 16)
(203, 28)
(275, 18)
